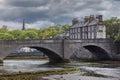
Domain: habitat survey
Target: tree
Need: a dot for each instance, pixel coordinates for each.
(6, 36)
(53, 31)
(40, 33)
(29, 35)
(117, 37)
(16, 34)
(4, 29)
(32, 29)
(66, 27)
(113, 27)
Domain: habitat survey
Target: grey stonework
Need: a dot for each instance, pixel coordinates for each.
(91, 27)
(58, 50)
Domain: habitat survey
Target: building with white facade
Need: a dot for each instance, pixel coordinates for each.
(92, 27)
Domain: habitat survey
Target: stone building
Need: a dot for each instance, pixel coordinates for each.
(91, 27)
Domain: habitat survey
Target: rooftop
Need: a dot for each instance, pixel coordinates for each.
(88, 20)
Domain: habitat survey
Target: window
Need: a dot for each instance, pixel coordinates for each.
(88, 28)
(100, 30)
(79, 29)
(75, 30)
(70, 30)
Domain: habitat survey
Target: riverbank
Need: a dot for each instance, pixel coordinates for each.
(39, 70)
(27, 58)
(1, 62)
(37, 75)
(76, 76)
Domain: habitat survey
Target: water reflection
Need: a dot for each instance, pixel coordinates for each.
(10, 66)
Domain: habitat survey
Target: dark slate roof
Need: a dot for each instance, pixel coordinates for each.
(82, 23)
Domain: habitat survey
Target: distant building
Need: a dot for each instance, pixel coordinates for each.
(91, 27)
(64, 35)
(25, 49)
(26, 52)
(4, 27)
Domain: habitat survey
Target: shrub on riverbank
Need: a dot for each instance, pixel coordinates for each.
(36, 75)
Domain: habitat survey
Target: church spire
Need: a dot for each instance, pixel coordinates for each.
(23, 27)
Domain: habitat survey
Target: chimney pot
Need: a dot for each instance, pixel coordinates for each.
(99, 17)
(75, 21)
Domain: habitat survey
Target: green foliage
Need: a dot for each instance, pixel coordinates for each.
(32, 29)
(117, 37)
(3, 29)
(113, 27)
(6, 36)
(65, 27)
(16, 34)
(29, 35)
(52, 31)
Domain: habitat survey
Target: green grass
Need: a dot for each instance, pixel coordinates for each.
(36, 75)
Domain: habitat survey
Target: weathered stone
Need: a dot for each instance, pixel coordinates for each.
(59, 50)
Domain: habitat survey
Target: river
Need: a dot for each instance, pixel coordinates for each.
(108, 70)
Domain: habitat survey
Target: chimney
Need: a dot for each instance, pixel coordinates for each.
(91, 18)
(86, 19)
(75, 21)
(99, 17)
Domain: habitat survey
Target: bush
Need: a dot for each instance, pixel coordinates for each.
(6, 36)
(29, 35)
(117, 37)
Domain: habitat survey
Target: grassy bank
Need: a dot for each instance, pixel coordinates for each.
(36, 75)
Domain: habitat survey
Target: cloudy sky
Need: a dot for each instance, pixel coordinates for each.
(44, 13)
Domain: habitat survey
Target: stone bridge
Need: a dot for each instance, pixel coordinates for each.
(58, 50)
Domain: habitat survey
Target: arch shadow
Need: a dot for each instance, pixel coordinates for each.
(98, 52)
(53, 57)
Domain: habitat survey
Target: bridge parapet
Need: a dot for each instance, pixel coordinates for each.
(92, 41)
(52, 48)
(28, 41)
(64, 48)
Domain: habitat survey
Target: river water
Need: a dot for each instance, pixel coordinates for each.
(12, 66)
(109, 69)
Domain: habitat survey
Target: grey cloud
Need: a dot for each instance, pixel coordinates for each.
(56, 11)
(21, 13)
(27, 3)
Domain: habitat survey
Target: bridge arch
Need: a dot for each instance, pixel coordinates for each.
(53, 56)
(98, 52)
